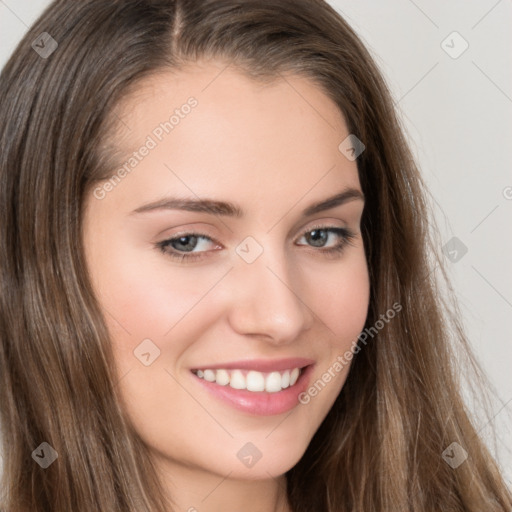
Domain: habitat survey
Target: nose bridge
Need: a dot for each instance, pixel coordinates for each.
(266, 298)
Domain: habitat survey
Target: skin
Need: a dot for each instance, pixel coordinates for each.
(273, 150)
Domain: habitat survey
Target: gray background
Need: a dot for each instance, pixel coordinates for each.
(457, 114)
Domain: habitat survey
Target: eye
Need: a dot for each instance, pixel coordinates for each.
(183, 246)
(192, 246)
(322, 236)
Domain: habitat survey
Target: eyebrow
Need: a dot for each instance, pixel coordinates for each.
(229, 209)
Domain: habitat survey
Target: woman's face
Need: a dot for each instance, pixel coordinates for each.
(218, 254)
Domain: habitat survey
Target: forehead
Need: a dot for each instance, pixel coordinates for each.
(209, 125)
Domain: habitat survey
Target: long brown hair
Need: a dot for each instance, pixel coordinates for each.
(380, 447)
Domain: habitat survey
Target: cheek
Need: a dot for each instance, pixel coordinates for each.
(341, 304)
(341, 297)
(148, 296)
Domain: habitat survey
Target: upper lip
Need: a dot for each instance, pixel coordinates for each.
(260, 365)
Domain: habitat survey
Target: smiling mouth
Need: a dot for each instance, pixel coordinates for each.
(251, 380)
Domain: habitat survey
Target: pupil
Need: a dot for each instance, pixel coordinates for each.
(183, 241)
(315, 238)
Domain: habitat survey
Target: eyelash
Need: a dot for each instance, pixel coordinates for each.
(346, 238)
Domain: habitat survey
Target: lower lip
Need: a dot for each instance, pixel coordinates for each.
(260, 403)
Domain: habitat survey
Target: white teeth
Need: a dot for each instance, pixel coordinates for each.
(209, 375)
(255, 381)
(294, 375)
(285, 382)
(272, 382)
(222, 377)
(237, 380)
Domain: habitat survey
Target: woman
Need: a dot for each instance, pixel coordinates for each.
(216, 286)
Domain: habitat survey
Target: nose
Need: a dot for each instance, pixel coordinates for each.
(269, 300)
